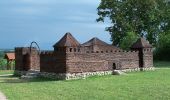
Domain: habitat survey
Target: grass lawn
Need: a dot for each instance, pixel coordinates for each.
(2, 72)
(152, 85)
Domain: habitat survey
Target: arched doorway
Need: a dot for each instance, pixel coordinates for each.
(114, 66)
(26, 62)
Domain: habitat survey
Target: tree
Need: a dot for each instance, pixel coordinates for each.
(163, 47)
(128, 40)
(146, 18)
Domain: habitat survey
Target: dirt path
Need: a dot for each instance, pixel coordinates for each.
(2, 96)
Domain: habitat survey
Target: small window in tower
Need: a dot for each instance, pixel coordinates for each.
(70, 49)
(106, 51)
(97, 51)
(101, 51)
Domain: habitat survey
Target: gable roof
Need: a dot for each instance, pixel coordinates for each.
(95, 41)
(10, 56)
(67, 41)
(141, 43)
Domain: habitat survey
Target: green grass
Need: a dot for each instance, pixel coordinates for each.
(152, 85)
(2, 72)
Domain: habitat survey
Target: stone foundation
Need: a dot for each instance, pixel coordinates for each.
(139, 69)
(69, 76)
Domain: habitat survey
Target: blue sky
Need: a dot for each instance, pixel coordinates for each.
(46, 21)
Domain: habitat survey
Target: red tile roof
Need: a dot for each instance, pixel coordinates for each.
(10, 56)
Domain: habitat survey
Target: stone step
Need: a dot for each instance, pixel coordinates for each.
(30, 75)
(118, 72)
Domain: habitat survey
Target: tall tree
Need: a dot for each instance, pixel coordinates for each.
(145, 18)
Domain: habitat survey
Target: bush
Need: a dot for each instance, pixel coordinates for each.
(3, 64)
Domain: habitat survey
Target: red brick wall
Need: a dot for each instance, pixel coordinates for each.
(147, 58)
(91, 62)
(26, 60)
(34, 60)
(53, 62)
(76, 62)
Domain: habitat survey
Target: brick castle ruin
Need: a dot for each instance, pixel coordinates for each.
(71, 60)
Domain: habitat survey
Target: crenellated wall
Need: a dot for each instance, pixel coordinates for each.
(79, 62)
(92, 62)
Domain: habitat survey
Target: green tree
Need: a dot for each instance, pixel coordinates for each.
(1, 54)
(128, 40)
(146, 18)
(163, 47)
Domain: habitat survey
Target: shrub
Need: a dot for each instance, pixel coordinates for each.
(3, 64)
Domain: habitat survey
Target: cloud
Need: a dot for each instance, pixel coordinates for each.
(28, 20)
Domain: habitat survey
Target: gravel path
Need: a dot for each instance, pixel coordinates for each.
(2, 96)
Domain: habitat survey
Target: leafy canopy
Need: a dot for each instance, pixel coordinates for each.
(144, 18)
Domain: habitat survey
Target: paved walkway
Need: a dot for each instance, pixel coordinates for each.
(6, 75)
(2, 96)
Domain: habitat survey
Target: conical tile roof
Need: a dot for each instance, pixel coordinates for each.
(94, 41)
(141, 43)
(67, 41)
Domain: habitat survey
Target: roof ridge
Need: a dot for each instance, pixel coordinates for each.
(94, 41)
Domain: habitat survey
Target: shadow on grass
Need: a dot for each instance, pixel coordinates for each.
(14, 79)
(162, 64)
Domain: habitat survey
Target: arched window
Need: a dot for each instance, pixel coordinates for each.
(70, 49)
